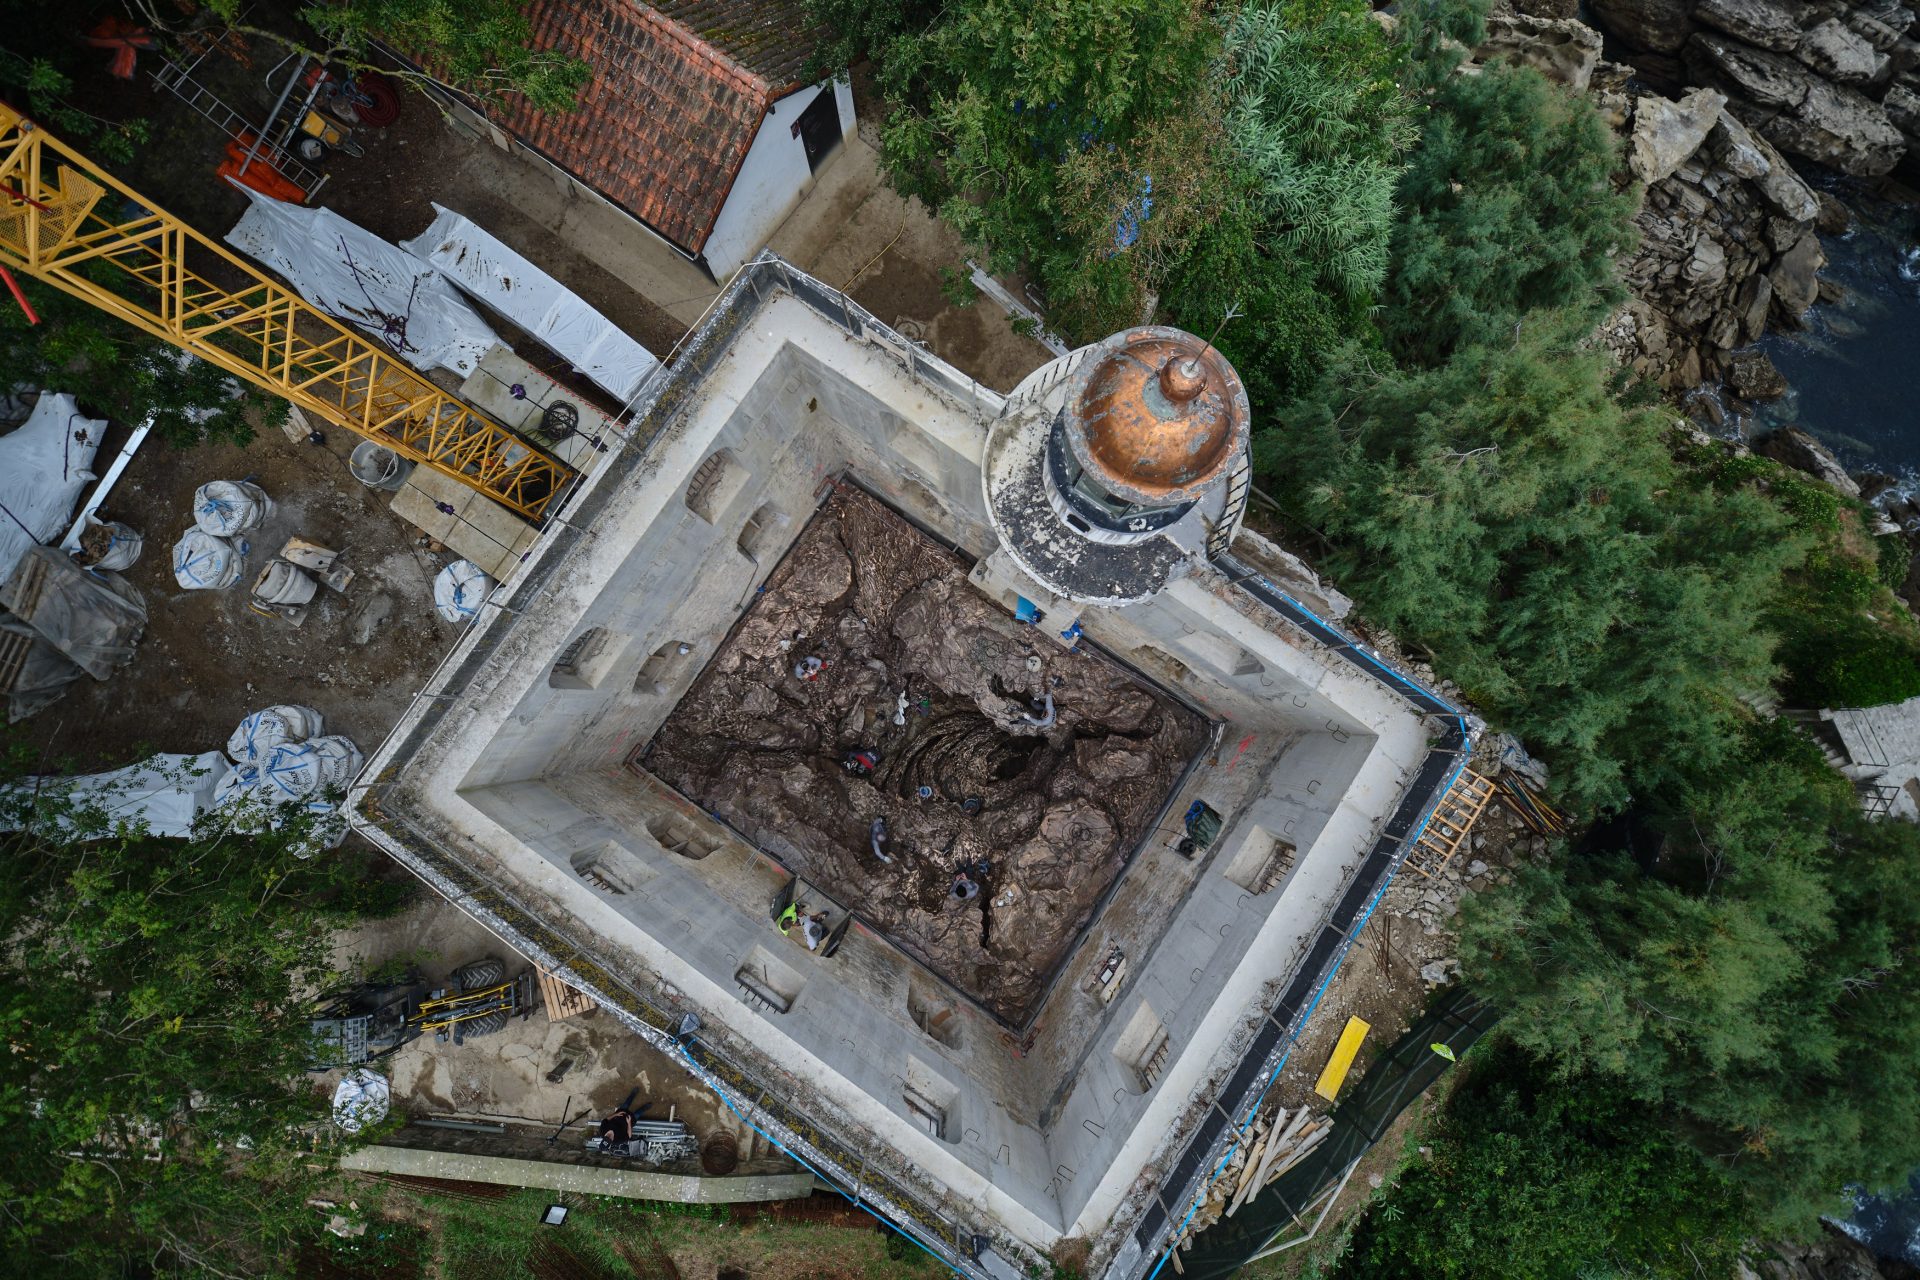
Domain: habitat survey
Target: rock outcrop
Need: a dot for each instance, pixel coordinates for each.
(1794, 448)
(1833, 81)
(1729, 232)
(1727, 244)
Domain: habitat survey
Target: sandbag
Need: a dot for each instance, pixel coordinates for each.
(266, 729)
(340, 760)
(458, 590)
(291, 772)
(202, 562)
(227, 508)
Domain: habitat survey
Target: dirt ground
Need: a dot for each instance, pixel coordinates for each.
(942, 687)
(206, 659)
(506, 1075)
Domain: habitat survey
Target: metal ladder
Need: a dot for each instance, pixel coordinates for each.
(1239, 487)
(179, 81)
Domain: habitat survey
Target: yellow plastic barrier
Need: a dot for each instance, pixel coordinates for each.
(1335, 1075)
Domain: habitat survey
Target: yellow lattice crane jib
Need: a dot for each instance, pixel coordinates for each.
(64, 220)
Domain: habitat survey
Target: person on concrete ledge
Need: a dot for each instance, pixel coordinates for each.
(813, 931)
(787, 917)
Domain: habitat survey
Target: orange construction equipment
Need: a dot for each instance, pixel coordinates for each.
(260, 173)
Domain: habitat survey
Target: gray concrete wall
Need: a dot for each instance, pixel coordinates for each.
(628, 1182)
(1050, 1135)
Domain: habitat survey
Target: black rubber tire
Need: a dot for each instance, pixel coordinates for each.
(479, 975)
(484, 1025)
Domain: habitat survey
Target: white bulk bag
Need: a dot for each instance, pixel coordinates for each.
(266, 729)
(202, 562)
(340, 760)
(360, 1099)
(290, 773)
(226, 508)
(459, 589)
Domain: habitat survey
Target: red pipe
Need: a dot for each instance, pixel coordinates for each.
(24, 198)
(18, 296)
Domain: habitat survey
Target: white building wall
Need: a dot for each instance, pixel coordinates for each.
(773, 178)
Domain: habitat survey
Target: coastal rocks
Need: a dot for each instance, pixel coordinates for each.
(1659, 26)
(1726, 242)
(1558, 48)
(1833, 81)
(1666, 133)
(1792, 447)
(1841, 128)
(1840, 53)
(1795, 287)
(1752, 376)
(1833, 1256)
(1766, 24)
(1756, 159)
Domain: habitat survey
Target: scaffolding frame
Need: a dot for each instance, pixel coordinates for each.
(58, 224)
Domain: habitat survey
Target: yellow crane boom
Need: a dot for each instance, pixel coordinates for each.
(59, 224)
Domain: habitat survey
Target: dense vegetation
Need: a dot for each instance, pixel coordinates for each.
(1535, 1178)
(1698, 1044)
(155, 996)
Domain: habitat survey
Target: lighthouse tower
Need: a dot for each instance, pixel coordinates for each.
(1110, 466)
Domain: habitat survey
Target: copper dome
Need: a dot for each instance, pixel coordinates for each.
(1156, 416)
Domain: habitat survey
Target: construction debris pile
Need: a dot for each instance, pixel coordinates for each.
(964, 783)
(1268, 1150)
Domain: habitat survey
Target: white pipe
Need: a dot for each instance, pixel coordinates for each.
(71, 542)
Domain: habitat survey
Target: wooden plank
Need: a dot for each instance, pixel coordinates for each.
(1299, 1153)
(1335, 1074)
(1280, 1140)
(562, 1001)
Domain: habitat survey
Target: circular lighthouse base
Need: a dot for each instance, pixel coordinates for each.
(1070, 562)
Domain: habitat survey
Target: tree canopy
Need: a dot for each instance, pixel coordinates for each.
(1536, 1178)
(155, 996)
(482, 47)
(1508, 207)
(1756, 981)
(1506, 513)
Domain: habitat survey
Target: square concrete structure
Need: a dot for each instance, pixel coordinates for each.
(506, 786)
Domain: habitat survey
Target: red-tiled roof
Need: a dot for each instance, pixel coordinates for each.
(664, 126)
(768, 37)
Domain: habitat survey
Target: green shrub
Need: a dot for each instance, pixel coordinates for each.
(1537, 1177)
(1845, 660)
(1893, 557)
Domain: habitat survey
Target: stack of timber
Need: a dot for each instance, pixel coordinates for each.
(1269, 1149)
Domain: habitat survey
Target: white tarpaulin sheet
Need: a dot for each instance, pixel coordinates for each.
(534, 300)
(361, 1098)
(165, 792)
(355, 276)
(45, 463)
